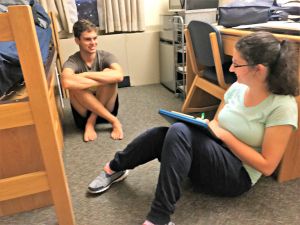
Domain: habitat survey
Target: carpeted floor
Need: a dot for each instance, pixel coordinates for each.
(127, 203)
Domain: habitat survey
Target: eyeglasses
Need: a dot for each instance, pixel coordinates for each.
(237, 65)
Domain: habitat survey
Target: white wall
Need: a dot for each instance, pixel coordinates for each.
(138, 53)
(223, 2)
(153, 8)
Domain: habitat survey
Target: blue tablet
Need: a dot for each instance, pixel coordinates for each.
(173, 117)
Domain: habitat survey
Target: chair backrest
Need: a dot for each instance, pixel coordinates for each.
(199, 33)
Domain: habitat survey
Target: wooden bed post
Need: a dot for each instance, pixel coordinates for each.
(37, 120)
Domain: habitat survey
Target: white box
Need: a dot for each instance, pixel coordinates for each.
(206, 15)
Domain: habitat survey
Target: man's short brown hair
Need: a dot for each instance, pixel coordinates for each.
(83, 25)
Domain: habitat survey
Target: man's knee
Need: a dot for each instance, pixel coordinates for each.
(108, 89)
(78, 92)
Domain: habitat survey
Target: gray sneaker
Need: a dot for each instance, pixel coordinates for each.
(102, 182)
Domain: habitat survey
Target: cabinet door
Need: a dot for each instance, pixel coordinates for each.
(167, 67)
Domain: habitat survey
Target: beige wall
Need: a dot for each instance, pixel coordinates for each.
(222, 2)
(138, 54)
(154, 8)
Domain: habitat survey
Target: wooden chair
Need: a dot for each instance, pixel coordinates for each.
(208, 63)
(32, 172)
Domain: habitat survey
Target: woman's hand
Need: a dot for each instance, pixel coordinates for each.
(217, 130)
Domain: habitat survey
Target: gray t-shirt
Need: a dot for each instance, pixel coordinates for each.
(103, 60)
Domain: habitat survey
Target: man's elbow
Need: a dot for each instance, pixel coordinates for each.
(120, 76)
(65, 83)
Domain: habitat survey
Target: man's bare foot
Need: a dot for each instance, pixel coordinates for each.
(117, 132)
(89, 134)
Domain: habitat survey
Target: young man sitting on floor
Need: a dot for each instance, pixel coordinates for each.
(92, 77)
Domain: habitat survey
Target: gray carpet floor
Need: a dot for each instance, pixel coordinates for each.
(127, 203)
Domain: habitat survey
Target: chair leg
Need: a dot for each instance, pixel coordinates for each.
(206, 98)
(189, 95)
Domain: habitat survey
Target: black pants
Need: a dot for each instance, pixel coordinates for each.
(183, 150)
(80, 121)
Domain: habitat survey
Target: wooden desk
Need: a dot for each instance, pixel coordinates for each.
(290, 165)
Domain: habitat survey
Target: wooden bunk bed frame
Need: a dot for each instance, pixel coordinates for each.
(32, 171)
